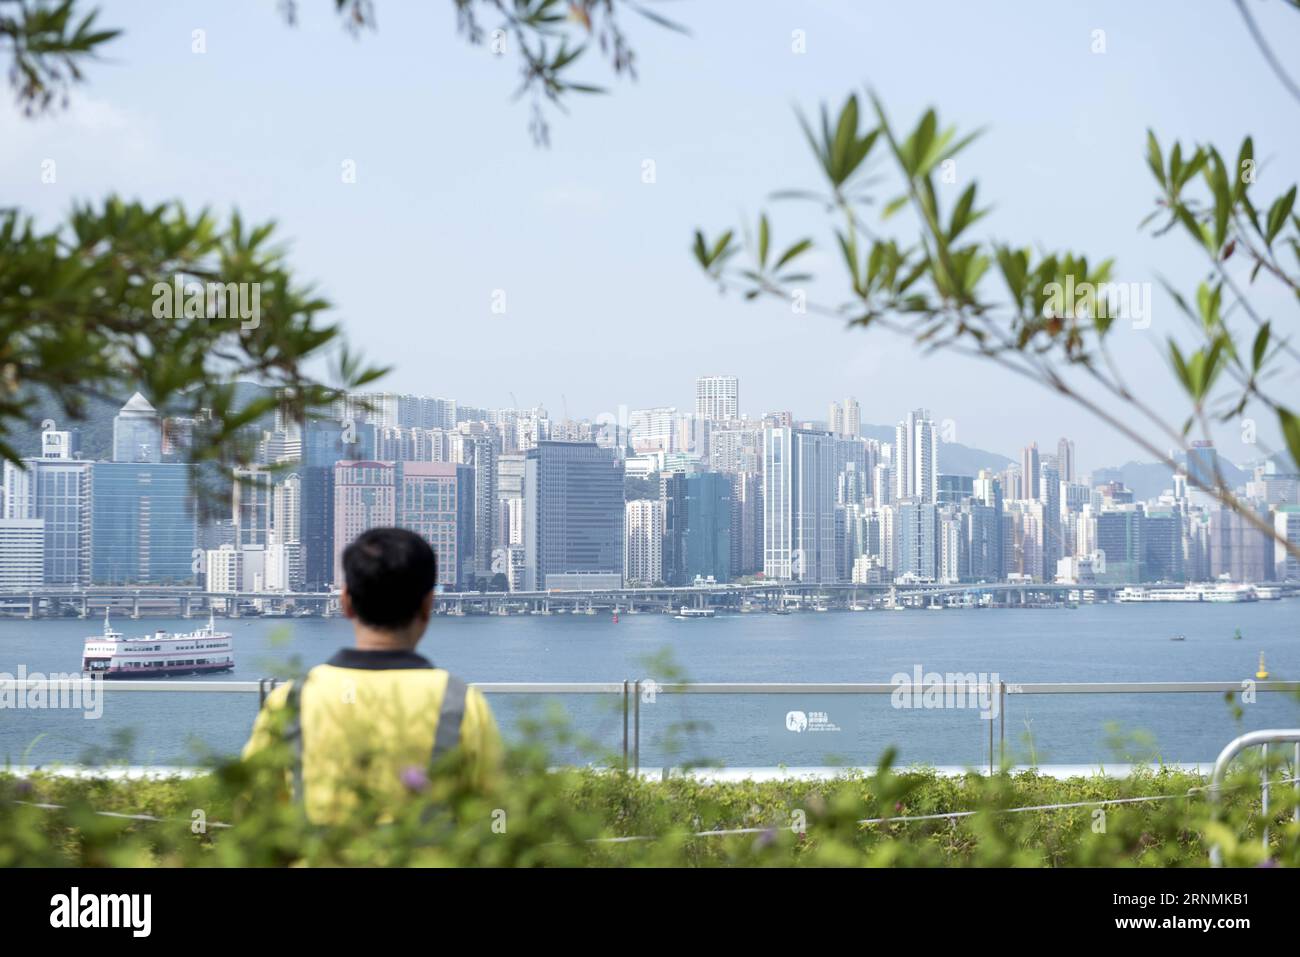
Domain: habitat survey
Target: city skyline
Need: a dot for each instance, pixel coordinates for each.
(417, 242)
(515, 501)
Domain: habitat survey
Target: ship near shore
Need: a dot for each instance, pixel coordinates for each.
(1217, 592)
(160, 655)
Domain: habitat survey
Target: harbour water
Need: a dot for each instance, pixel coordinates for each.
(1092, 643)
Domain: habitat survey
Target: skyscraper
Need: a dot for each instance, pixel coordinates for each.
(1049, 493)
(284, 551)
(251, 506)
(137, 432)
(987, 559)
(436, 500)
(1238, 549)
(846, 418)
(1203, 466)
(643, 555)
(324, 444)
(480, 452)
(573, 516)
(798, 505)
(717, 398)
(1065, 460)
(22, 553)
(672, 502)
(747, 524)
(365, 497)
(142, 524)
(916, 536)
(916, 458)
(1029, 471)
(55, 489)
(708, 527)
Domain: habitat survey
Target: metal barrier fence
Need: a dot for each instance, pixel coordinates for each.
(1255, 739)
(634, 693)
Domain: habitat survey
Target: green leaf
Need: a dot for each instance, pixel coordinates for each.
(1277, 215)
(1223, 202)
(801, 246)
(1246, 156)
(1261, 345)
(1291, 430)
(1154, 159)
(894, 205)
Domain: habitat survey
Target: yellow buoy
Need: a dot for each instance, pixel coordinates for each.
(1262, 673)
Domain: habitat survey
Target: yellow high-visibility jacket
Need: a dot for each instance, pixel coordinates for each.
(367, 724)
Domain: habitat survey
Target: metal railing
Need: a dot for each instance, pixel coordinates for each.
(634, 693)
(1261, 740)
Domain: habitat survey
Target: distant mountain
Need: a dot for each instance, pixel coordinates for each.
(97, 426)
(1149, 479)
(954, 458)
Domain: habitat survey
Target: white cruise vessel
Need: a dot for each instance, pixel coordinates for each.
(204, 651)
(1217, 592)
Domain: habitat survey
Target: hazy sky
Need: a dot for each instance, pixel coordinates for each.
(604, 305)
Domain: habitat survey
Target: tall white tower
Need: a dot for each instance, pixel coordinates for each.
(916, 458)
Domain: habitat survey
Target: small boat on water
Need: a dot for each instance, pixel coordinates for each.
(687, 613)
(161, 655)
(1177, 637)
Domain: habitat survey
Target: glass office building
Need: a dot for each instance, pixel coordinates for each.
(142, 524)
(708, 527)
(573, 517)
(324, 444)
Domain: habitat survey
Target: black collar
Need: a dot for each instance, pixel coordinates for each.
(378, 660)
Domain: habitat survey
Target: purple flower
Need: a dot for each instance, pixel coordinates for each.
(414, 778)
(1267, 862)
(23, 788)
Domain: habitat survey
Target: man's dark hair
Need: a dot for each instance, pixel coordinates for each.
(388, 572)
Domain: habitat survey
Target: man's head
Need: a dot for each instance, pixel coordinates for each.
(389, 575)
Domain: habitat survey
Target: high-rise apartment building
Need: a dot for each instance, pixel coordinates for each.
(1065, 460)
(798, 505)
(846, 418)
(365, 497)
(1030, 477)
(717, 398)
(916, 541)
(643, 548)
(436, 500)
(916, 459)
(479, 451)
(251, 506)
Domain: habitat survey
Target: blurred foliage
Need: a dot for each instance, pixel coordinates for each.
(86, 310)
(551, 811)
(1048, 316)
(585, 817)
(51, 41)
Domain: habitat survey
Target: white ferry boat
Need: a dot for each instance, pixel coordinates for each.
(1216, 592)
(204, 651)
(688, 613)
